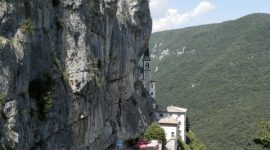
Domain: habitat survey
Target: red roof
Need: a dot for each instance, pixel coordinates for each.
(144, 145)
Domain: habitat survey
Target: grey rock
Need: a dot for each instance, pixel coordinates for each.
(69, 84)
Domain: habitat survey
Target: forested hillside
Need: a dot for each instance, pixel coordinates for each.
(221, 73)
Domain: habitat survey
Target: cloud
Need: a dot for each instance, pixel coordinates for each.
(158, 3)
(173, 19)
(202, 8)
(158, 7)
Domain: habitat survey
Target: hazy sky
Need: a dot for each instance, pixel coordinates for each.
(172, 14)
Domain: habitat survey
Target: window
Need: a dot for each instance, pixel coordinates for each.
(152, 93)
(160, 115)
(172, 134)
(146, 66)
(152, 85)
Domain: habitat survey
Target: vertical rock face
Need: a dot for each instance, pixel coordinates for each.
(69, 73)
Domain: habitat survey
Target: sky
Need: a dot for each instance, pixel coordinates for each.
(175, 14)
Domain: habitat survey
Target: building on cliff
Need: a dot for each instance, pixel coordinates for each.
(145, 71)
(173, 120)
(170, 126)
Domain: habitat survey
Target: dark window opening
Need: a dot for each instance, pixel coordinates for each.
(172, 134)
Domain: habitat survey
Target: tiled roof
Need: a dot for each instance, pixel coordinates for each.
(168, 120)
(171, 109)
(176, 109)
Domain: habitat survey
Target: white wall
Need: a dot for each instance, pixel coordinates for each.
(182, 126)
(171, 145)
(164, 115)
(181, 117)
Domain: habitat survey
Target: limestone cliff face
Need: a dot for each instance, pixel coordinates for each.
(69, 73)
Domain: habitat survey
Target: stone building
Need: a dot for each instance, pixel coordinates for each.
(173, 120)
(170, 126)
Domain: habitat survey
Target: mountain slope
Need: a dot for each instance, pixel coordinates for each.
(221, 73)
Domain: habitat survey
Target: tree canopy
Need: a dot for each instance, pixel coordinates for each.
(155, 132)
(263, 134)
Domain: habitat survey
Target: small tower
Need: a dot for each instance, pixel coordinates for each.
(152, 89)
(146, 69)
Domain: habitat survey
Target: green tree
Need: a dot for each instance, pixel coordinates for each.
(155, 132)
(263, 134)
(194, 142)
(182, 145)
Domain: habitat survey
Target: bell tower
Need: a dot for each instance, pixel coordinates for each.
(146, 69)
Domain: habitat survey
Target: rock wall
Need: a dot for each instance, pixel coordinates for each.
(69, 73)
